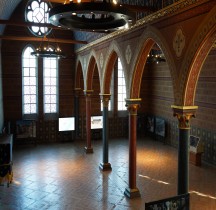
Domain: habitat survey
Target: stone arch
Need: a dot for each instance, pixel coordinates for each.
(90, 72)
(204, 39)
(113, 53)
(147, 40)
(78, 75)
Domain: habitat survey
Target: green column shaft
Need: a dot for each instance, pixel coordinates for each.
(105, 135)
(183, 161)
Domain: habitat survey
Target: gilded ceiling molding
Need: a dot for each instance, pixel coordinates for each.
(169, 10)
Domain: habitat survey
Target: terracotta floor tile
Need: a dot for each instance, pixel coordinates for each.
(63, 177)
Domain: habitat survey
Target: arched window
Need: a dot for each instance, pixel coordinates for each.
(29, 84)
(121, 87)
(37, 11)
(50, 86)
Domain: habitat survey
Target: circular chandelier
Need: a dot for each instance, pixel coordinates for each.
(155, 58)
(95, 16)
(48, 52)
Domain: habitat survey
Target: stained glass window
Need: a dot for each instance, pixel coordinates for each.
(37, 11)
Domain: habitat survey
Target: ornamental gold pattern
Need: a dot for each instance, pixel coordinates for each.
(105, 99)
(184, 120)
(184, 115)
(132, 108)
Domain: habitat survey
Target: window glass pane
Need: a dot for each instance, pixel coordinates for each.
(32, 81)
(53, 108)
(29, 84)
(47, 108)
(27, 108)
(26, 90)
(46, 89)
(53, 99)
(35, 28)
(29, 16)
(53, 81)
(33, 99)
(33, 108)
(47, 72)
(47, 81)
(32, 89)
(26, 99)
(53, 72)
(121, 87)
(26, 81)
(34, 5)
(50, 85)
(52, 90)
(47, 99)
(25, 72)
(32, 63)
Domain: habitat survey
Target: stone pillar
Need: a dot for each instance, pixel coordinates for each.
(132, 105)
(76, 111)
(183, 114)
(88, 147)
(105, 165)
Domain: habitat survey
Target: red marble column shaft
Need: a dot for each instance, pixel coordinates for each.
(88, 121)
(132, 105)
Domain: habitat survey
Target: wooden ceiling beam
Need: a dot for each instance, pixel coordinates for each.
(29, 24)
(37, 39)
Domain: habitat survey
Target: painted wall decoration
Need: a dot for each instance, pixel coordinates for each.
(179, 42)
(128, 54)
(101, 60)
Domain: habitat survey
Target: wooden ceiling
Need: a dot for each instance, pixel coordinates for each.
(29, 24)
(134, 8)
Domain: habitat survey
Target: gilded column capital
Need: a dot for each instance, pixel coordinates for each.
(184, 114)
(133, 105)
(105, 99)
(77, 91)
(88, 93)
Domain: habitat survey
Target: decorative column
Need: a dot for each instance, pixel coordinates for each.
(88, 147)
(132, 105)
(76, 111)
(183, 114)
(105, 165)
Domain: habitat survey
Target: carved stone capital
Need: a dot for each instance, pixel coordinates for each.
(105, 99)
(77, 92)
(88, 93)
(184, 115)
(133, 105)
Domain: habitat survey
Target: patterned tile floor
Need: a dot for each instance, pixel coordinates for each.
(62, 177)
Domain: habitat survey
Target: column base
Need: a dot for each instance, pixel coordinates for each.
(132, 193)
(88, 150)
(105, 167)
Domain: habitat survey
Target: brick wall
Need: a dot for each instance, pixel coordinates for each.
(157, 97)
(47, 131)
